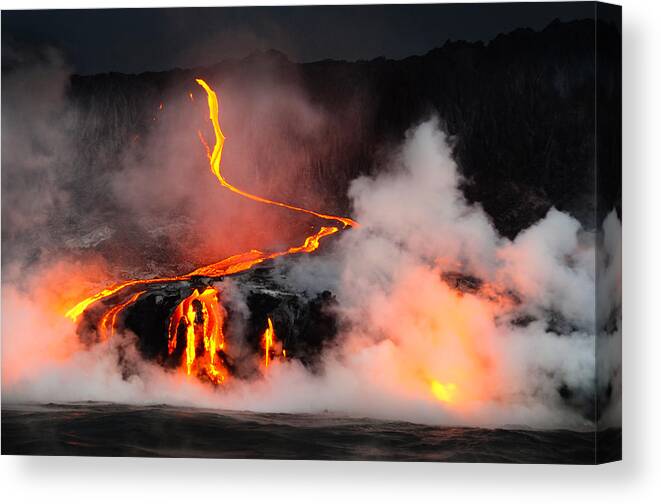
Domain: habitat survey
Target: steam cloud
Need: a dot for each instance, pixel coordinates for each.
(507, 353)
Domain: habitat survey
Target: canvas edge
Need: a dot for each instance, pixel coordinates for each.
(608, 196)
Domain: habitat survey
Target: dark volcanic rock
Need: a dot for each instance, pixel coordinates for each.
(520, 110)
(462, 282)
(303, 325)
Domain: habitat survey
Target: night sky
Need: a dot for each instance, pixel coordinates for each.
(138, 40)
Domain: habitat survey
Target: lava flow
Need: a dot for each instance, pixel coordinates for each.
(108, 323)
(271, 344)
(201, 314)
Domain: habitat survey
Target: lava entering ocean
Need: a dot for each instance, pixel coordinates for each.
(200, 316)
(424, 313)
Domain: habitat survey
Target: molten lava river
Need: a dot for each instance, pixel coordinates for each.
(196, 328)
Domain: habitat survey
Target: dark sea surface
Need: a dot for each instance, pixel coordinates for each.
(115, 430)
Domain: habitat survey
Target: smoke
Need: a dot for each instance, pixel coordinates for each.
(35, 153)
(511, 358)
(518, 350)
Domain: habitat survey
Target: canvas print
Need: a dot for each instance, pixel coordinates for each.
(385, 232)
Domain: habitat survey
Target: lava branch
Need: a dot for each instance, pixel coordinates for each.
(271, 344)
(108, 323)
(268, 342)
(203, 307)
(202, 318)
(217, 154)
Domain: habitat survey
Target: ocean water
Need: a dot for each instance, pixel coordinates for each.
(99, 429)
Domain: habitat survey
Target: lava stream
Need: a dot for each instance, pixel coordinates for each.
(207, 310)
(268, 342)
(202, 317)
(217, 153)
(109, 319)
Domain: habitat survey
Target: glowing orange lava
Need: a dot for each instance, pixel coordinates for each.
(217, 153)
(202, 316)
(444, 392)
(108, 322)
(268, 342)
(200, 312)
